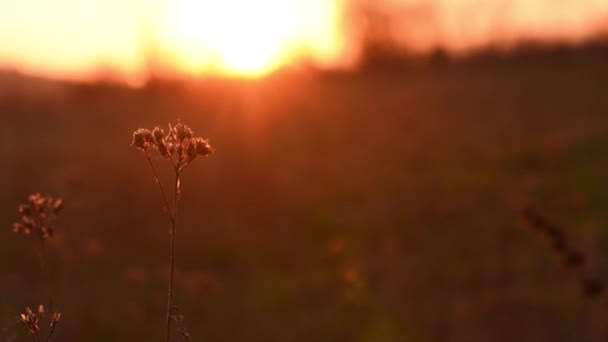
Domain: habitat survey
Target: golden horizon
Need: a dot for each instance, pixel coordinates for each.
(81, 39)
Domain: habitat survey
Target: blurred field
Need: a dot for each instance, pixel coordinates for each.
(365, 206)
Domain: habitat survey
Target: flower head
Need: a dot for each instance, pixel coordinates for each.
(31, 320)
(179, 145)
(38, 215)
(143, 139)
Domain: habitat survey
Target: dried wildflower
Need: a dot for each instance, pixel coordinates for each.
(180, 147)
(142, 138)
(31, 320)
(38, 215)
(534, 220)
(202, 147)
(181, 131)
(159, 141)
(572, 259)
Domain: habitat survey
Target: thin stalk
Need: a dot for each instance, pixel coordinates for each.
(51, 332)
(44, 291)
(171, 212)
(172, 252)
(160, 186)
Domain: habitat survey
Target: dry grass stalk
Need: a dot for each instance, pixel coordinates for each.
(179, 147)
(38, 216)
(572, 259)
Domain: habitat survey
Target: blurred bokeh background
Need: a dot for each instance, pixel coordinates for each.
(372, 161)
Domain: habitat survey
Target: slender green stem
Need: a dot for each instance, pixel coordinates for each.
(172, 252)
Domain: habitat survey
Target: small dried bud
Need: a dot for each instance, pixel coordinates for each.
(203, 148)
(46, 232)
(32, 320)
(37, 202)
(179, 145)
(159, 141)
(25, 209)
(158, 134)
(57, 206)
(142, 138)
(182, 131)
(38, 215)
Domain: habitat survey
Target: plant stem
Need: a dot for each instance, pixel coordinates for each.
(51, 332)
(172, 252)
(162, 189)
(172, 213)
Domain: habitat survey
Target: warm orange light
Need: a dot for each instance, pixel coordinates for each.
(133, 39)
(249, 38)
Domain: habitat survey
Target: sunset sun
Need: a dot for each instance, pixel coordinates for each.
(243, 37)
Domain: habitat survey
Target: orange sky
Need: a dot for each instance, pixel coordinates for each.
(80, 38)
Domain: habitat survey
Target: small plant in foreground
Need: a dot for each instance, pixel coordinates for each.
(38, 216)
(31, 320)
(179, 147)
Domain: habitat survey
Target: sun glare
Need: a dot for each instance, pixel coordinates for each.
(249, 38)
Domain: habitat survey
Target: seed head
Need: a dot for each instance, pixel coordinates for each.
(181, 132)
(158, 134)
(38, 215)
(179, 145)
(202, 147)
(31, 320)
(143, 139)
